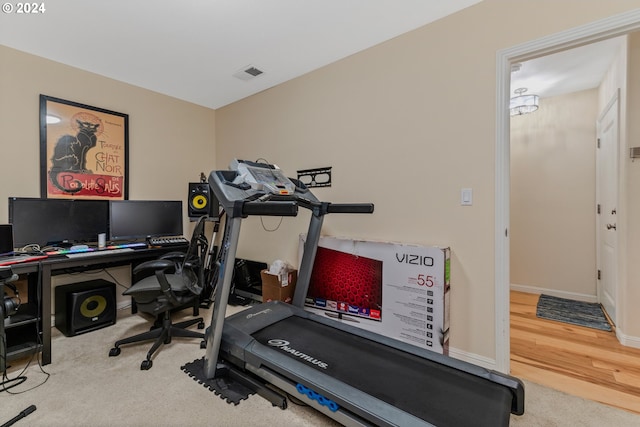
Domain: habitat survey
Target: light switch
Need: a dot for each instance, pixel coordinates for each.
(466, 197)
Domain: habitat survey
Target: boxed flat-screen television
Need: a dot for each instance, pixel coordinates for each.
(397, 290)
(344, 283)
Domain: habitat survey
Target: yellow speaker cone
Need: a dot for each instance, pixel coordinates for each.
(93, 306)
(199, 201)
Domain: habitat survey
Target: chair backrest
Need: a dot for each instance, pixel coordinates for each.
(194, 263)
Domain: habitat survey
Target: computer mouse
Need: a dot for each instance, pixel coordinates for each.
(79, 247)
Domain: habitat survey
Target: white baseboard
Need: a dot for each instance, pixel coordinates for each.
(475, 359)
(121, 305)
(554, 292)
(627, 340)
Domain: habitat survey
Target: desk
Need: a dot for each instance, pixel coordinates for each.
(39, 280)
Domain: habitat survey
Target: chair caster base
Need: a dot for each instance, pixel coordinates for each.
(115, 351)
(146, 365)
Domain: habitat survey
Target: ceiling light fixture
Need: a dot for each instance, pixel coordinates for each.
(52, 120)
(522, 104)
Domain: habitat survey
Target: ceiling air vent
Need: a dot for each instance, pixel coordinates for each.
(247, 73)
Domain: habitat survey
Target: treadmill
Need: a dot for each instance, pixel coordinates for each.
(354, 376)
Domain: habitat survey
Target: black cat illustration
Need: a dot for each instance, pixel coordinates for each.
(70, 155)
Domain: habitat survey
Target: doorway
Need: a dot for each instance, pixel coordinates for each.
(552, 197)
(607, 28)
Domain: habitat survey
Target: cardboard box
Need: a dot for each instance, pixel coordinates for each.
(278, 288)
(397, 290)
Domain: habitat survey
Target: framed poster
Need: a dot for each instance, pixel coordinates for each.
(83, 151)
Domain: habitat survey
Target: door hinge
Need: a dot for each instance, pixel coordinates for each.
(599, 275)
(598, 205)
(598, 142)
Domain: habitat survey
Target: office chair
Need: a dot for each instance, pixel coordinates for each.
(177, 283)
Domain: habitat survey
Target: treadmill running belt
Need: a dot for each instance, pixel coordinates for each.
(439, 394)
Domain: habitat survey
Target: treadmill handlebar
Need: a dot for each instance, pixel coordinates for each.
(287, 205)
(288, 208)
(350, 208)
(267, 204)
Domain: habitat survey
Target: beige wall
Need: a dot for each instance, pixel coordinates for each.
(406, 125)
(553, 197)
(170, 141)
(623, 75)
(630, 297)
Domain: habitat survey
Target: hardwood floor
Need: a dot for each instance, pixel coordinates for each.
(580, 361)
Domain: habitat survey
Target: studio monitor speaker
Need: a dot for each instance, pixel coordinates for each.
(85, 306)
(202, 201)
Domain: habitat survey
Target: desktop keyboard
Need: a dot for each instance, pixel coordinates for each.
(93, 249)
(97, 252)
(167, 241)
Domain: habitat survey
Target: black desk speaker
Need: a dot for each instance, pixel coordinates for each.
(85, 306)
(201, 201)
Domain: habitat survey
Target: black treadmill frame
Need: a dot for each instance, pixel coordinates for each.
(229, 341)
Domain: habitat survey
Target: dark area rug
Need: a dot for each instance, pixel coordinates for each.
(578, 313)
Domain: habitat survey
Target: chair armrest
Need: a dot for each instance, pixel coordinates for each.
(156, 264)
(173, 255)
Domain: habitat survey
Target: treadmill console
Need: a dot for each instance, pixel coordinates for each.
(262, 177)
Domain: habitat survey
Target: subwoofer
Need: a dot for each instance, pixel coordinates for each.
(85, 306)
(201, 201)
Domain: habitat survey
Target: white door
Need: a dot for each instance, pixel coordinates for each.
(607, 206)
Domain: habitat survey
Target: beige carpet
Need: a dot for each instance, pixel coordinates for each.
(86, 387)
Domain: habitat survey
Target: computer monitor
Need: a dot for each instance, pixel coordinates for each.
(346, 284)
(139, 219)
(57, 221)
(6, 239)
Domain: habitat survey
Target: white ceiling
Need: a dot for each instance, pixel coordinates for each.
(190, 49)
(569, 71)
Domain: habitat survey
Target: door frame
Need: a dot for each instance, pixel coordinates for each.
(612, 106)
(617, 25)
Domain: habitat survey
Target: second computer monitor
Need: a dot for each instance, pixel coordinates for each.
(139, 219)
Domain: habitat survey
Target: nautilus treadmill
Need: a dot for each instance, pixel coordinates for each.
(354, 376)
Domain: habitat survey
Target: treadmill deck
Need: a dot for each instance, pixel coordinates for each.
(438, 394)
